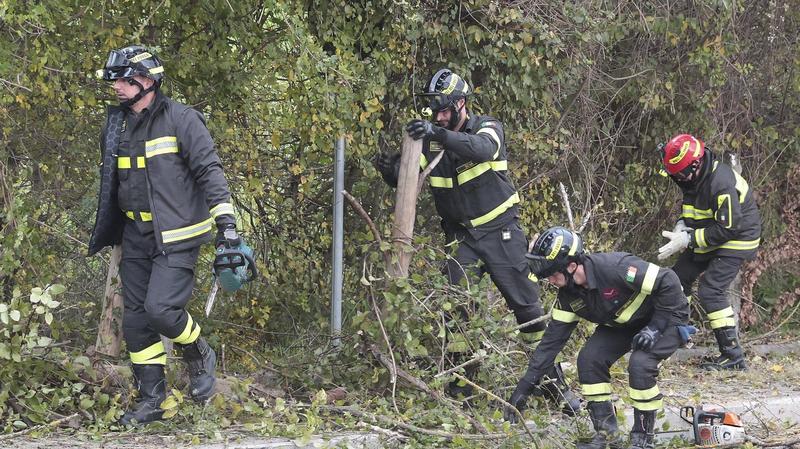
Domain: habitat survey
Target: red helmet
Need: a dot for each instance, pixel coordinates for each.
(683, 152)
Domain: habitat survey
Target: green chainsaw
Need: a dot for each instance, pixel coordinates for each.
(233, 266)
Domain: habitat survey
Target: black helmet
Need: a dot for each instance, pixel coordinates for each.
(553, 251)
(444, 90)
(130, 61)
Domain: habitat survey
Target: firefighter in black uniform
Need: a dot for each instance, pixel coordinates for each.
(162, 193)
(721, 226)
(637, 305)
(477, 202)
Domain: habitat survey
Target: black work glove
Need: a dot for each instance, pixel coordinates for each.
(519, 399)
(646, 338)
(389, 167)
(227, 236)
(423, 129)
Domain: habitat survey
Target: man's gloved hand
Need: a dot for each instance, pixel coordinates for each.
(680, 226)
(227, 236)
(385, 162)
(519, 399)
(678, 241)
(645, 339)
(423, 129)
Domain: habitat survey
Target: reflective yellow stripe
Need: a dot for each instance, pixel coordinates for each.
(644, 395)
(658, 404)
(722, 322)
(480, 169)
(156, 70)
(696, 214)
(627, 311)
(722, 313)
(595, 389)
(451, 87)
(739, 245)
(162, 145)
(564, 316)
(123, 162)
(438, 181)
(221, 209)
(720, 200)
(190, 332)
(531, 337)
(533, 278)
(574, 247)
(741, 186)
(700, 238)
(512, 200)
(152, 355)
(174, 235)
(493, 134)
(423, 161)
(142, 216)
(598, 398)
(141, 57)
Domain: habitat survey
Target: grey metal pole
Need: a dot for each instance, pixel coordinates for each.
(338, 243)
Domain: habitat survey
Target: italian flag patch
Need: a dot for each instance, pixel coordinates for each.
(631, 274)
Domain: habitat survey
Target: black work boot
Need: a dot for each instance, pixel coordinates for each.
(604, 420)
(152, 386)
(554, 388)
(642, 432)
(458, 389)
(731, 353)
(201, 362)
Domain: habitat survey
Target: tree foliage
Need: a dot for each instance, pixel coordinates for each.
(585, 89)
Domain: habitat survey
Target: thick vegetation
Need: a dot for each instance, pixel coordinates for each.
(586, 90)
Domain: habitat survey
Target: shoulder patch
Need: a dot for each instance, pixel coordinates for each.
(631, 274)
(489, 124)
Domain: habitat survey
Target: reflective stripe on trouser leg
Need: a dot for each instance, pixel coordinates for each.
(598, 392)
(151, 355)
(190, 333)
(722, 318)
(648, 399)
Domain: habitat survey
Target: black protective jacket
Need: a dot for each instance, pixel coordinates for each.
(721, 210)
(621, 291)
(187, 190)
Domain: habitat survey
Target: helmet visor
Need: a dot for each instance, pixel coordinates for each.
(117, 66)
(437, 101)
(541, 266)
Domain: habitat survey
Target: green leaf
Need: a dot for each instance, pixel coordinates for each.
(15, 315)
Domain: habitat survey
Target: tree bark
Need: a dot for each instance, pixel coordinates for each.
(109, 332)
(405, 207)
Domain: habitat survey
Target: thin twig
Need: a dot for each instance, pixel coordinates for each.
(502, 401)
(567, 206)
(360, 210)
(55, 423)
(427, 171)
(410, 427)
(456, 368)
(393, 366)
(544, 317)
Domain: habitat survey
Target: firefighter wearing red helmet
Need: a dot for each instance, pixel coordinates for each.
(719, 228)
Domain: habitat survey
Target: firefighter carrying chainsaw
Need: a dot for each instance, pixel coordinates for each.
(477, 201)
(637, 305)
(162, 193)
(720, 226)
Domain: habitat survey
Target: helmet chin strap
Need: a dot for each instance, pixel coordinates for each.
(569, 277)
(142, 92)
(455, 115)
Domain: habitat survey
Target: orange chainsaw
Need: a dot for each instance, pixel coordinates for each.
(713, 427)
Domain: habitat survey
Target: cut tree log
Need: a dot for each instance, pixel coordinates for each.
(405, 207)
(109, 331)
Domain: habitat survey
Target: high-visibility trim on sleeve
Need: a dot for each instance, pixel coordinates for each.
(627, 311)
(688, 211)
(151, 355)
(564, 316)
(700, 238)
(493, 134)
(441, 182)
(221, 209)
(174, 235)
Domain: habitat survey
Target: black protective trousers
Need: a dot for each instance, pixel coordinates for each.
(156, 288)
(716, 274)
(609, 344)
(502, 252)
